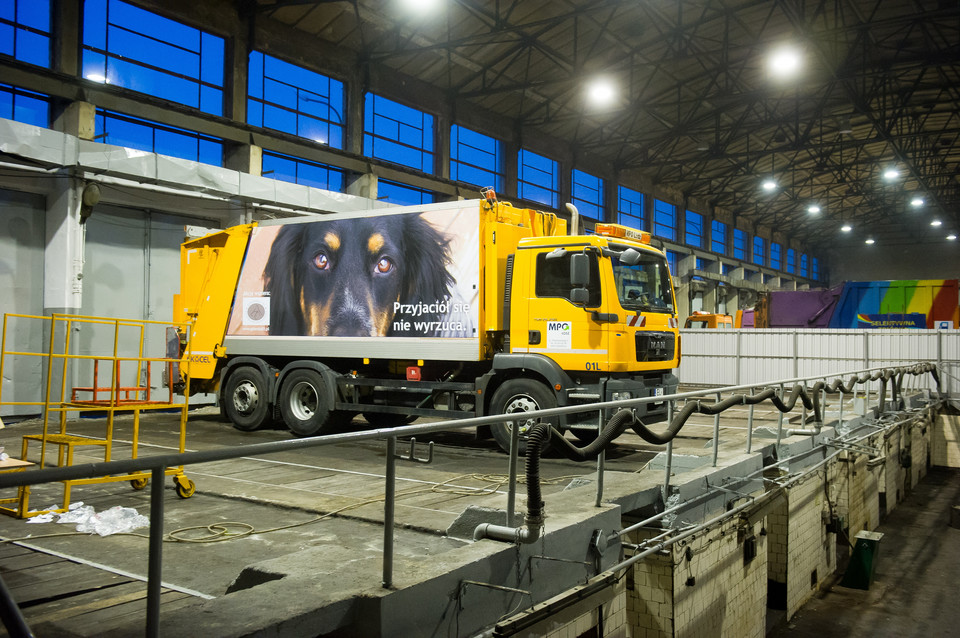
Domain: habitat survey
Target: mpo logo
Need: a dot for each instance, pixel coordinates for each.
(558, 325)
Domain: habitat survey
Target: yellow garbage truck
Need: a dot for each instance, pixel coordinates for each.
(454, 309)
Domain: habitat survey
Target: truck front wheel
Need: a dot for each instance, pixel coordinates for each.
(518, 396)
(245, 399)
(304, 402)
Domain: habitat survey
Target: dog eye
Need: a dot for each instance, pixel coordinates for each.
(384, 265)
(321, 261)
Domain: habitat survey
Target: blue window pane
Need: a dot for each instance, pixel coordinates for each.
(33, 13)
(153, 137)
(142, 51)
(758, 250)
(803, 265)
(24, 106)
(815, 269)
(694, 229)
(397, 133)
(718, 237)
(739, 244)
(673, 259)
(664, 219)
(775, 253)
(630, 208)
(791, 261)
(25, 30)
(278, 98)
(301, 171)
(587, 194)
(396, 193)
(538, 178)
(475, 158)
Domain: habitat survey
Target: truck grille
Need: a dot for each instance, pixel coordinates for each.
(655, 346)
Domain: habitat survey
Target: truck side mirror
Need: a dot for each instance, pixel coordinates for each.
(579, 279)
(579, 270)
(630, 257)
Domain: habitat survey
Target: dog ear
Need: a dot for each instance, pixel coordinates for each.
(428, 255)
(281, 278)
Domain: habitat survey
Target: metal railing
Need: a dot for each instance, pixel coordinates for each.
(157, 466)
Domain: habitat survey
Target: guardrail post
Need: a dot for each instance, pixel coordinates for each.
(669, 463)
(389, 510)
(780, 421)
(512, 473)
(601, 462)
(716, 434)
(750, 426)
(155, 559)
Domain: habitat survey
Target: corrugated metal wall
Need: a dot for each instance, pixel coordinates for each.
(740, 357)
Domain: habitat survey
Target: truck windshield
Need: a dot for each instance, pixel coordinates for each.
(645, 286)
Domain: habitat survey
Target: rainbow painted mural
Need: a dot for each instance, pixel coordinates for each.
(914, 303)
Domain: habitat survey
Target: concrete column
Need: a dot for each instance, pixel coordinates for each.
(683, 301)
(710, 297)
(363, 186)
(66, 15)
(63, 257)
(353, 132)
(78, 119)
(245, 158)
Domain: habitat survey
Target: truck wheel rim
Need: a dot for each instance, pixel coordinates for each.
(303, 401)
(522, 403)
(246, 397)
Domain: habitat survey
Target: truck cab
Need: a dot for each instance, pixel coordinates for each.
(594, 317)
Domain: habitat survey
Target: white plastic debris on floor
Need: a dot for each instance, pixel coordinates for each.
(115, 520)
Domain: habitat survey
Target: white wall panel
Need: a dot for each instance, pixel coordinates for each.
(758, 356)
(22, 223)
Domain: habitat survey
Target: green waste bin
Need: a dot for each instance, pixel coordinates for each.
(863, 560)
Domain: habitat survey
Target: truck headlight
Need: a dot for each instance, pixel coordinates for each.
(621, 396)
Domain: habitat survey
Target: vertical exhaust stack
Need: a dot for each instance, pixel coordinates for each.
(574, 219)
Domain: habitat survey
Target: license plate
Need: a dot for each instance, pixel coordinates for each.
(658, 392)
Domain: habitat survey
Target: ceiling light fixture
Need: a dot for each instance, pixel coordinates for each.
(813, 209)
(891, 174)
(936, 222)
(96, 77)
(916, 202)
(421, 7)
(846, 228)
(784, 63)
(869, 241)
(951, 237)
(601, 92)
(769, 184)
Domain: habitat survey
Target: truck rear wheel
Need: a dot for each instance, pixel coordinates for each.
(245, 399)
(304, 403)
(518, 396)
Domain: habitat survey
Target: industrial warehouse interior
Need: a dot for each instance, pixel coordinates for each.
(279, 277)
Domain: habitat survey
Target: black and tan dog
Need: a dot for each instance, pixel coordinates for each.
(346, 277)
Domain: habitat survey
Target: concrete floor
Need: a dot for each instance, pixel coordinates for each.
(914, 589)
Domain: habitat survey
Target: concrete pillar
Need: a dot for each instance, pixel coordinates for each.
(63, 257)
(78, 119)
(245, 158)
(363, 186)
(710, 297)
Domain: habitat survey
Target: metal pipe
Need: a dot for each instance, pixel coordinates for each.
(750, 426)
(10, 614)
(155, 557)
(389, 509)
(780, 422)
(601, 462)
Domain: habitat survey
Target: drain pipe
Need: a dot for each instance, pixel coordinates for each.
(533, 519)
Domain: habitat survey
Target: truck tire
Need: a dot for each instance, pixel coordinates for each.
(520, 395)
(245, 399)
(305, 404)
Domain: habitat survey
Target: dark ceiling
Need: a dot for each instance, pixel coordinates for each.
(697, 109)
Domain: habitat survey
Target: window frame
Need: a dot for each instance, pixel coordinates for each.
(524, 185)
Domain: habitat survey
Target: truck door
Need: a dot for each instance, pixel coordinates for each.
(558, 328)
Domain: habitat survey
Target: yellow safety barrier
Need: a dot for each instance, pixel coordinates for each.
(129, 390)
